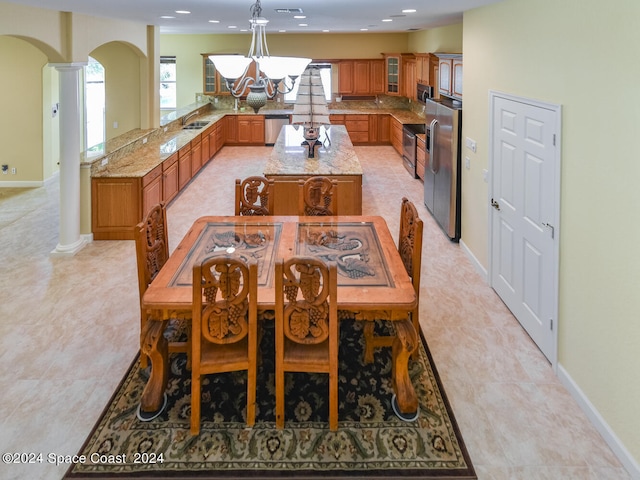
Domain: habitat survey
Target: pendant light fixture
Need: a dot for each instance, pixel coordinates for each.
(270, 71)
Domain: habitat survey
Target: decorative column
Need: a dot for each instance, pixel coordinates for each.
(70, 242)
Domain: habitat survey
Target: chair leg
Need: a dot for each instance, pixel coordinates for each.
(144, 360)
(333, 401)
(368, 342)
(195, 405)
(251, 395)
(279, 395)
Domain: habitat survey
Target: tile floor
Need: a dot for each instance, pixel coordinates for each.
(69, 330)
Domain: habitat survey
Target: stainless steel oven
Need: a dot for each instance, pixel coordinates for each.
(409, 132)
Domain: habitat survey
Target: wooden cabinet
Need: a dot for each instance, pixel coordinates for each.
(205, 146)
(230, 129)
(396, 135)
(184, 166)
(170, 179)
(384, 129)
(361, 77)
(421, 152)
(151, 189)
(392, 74)
(196, 155)
(450, 75)
(409, 79)
(212, 82)
(358, 128)
(212, 141)
(250, 129)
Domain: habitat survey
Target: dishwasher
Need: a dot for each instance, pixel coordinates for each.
(273, 123)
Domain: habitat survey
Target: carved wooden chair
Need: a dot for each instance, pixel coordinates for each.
(410, 249)
(306, 326)
(152, 252)
(224, 332)
(318, 196)
(254, 196)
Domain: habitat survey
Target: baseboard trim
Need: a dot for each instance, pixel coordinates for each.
(625, 457)
(22, 184)
(476, 263)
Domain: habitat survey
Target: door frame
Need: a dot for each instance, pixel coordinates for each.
(557, 109)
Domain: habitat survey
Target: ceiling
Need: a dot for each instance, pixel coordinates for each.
(337, 16)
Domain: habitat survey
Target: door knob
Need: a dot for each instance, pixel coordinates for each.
(495, 204)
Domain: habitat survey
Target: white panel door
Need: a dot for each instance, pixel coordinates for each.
(524, 218)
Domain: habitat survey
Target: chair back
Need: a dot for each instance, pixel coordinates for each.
(152, 246)
(254, 196)
(318, 196)
(222, 289)
(309, 287)
(410, 241)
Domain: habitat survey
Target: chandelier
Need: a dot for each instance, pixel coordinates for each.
(270, 71)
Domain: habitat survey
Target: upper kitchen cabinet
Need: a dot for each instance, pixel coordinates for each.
(450, 75)
(392, 73)
(426, 68)
(212, 82)
(400, 74)
(360, 77)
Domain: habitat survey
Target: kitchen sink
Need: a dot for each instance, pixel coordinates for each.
(195, 125)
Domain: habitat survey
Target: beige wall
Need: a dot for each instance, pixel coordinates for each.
(442, 39)
(122, 87)
(187, 50)
(586, 58)
(21, 96)
(31, 38)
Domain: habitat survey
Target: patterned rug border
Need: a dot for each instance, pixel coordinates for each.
(368, 474)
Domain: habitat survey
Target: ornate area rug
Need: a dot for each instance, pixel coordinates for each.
(371, 442)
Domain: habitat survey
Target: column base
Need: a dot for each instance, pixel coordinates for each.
(72, 249)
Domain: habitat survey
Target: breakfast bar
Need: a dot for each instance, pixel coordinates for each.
(334, 158)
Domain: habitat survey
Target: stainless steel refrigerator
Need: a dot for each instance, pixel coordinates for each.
(442, 172)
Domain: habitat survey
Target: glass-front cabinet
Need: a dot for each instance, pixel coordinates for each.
(392, 84)
(212, 82)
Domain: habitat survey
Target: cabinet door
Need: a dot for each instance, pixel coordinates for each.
(345, 77)
(445, 76)
(409, 79)
(362, 77)
(420, 158)
(213, 143)
(384, 129)
(205, 149)
(219, 136)
(231, 129)
(151, 189)
(170, 178)
(456, 75)
(396, 135)
(392, 75)
(358, 128)
(377, 77)
(196, 156)
(184, 166)
(257, 130)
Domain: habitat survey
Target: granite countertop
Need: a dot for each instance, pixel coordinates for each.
(138, 152)
(335, 156)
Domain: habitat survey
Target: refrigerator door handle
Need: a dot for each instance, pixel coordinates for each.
(433, 163)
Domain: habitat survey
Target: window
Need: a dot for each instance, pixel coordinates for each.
(325, 76)
(168, 91)
(95, 107)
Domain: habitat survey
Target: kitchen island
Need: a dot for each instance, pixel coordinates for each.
(335, 158)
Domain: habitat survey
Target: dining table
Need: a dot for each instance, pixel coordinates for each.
(371, 278)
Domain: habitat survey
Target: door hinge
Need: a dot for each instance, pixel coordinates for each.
(551, 324)
(554, 139)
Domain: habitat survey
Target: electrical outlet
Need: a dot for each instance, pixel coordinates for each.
(471, 144)
(13, 171)
(467, 163)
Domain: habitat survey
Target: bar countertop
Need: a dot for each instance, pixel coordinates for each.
(336, 155)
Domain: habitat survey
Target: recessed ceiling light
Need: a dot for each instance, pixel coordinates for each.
(364, 29)
(387, 19)
(183, 12)
(409, 10)
(299, 16)
(282, 31)
(167, 16)
(214, 21)
(232, 26)
(303, 24)
(326, 31)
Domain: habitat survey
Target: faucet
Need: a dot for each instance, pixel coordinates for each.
(186, 118)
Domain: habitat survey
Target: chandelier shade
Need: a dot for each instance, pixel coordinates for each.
(270, 71)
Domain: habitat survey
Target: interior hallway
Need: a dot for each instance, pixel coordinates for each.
(69, 330)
